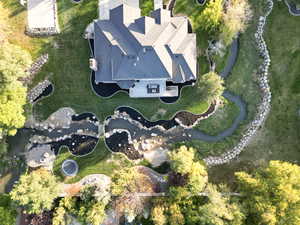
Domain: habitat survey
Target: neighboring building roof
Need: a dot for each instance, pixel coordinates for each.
(130, 47)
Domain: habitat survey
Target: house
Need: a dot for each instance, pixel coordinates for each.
(148, 55)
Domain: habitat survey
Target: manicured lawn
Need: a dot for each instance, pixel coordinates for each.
(220, 120)
(99, 161)
(240, 82)
(68, 69)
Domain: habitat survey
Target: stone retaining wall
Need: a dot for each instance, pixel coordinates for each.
(37, 90)
(264, 107)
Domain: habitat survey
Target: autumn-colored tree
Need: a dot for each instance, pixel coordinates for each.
(183, 162)
(12, 101)
(126, 183)
(235, 19)
(36, 191)
(158, 214)
(210, 18)
(272, 194)
(218, 210)
(13, 64)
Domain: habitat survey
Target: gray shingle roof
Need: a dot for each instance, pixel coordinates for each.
(131, 47)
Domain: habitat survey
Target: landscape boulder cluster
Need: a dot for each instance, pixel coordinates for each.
(38, 90)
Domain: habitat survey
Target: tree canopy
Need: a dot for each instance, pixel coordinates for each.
(272, 194)
(210, 86)
(36, 191)
(125, 184)
(210, 18)
(13, 64)
(235, 20)
(183, 163)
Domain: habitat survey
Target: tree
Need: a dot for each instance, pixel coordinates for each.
(235, 20)
(146, 7)
(13, 64)
(210, 86)
(125, 184)
(12, 101)
(210, 18)
(7, 213)
(218, 210)
(157, 214)
(36, 191)
(66, 205)
(272, 194)
(96, 214)
(182, 161)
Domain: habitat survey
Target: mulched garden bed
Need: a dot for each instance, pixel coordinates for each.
(79, 145)
(42, 219)
(189, 119)
(186, 118)
(118, 142)
(170, 100)
(45, 93)
(103, 89)
(135, 115)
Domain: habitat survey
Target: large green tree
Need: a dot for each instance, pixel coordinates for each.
(12, 101)
(210, 86)
(36, 191)
(208, 208)
(13, 64)
(184, 164)
(272, 194)
(218, 209)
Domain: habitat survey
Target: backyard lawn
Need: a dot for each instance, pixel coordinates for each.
(68, 70)
(96, 162)
(279, 139)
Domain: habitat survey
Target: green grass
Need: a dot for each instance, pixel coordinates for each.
(99, 161)
(279, 138)
(68, 69)
(240, 82)
(220, 120)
